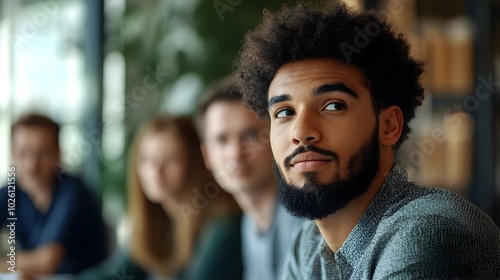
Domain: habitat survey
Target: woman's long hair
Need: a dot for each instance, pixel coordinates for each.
(164, 243)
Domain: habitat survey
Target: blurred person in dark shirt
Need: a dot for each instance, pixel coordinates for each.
(59, 228)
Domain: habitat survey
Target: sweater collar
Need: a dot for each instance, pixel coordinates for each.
(364, 230)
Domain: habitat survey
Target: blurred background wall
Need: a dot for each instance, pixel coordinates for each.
(100, 68)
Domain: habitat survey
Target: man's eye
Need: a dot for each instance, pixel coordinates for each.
(284, 113)
(221, 140)
(335, 106)
(171, 159)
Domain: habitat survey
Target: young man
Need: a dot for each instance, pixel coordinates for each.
(339, 88)
(235, 145)
(59, 228)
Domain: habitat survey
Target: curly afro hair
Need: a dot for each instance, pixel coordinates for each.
(363, 39)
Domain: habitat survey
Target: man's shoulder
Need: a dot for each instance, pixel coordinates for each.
(72, 185)
(436, 210)
(221, 234)
(69, 180)
(431, 230)
(72, 193)
(434, 203)
(224, 223)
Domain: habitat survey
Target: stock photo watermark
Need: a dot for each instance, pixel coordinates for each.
(30, 26)
(372, 29)
(11, 219)
(427, 146)
(223, 6)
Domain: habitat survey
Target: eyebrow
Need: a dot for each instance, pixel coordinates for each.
(277, 99)
(317, 91)
(335, 87)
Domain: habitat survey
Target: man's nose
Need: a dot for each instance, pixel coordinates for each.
(31, 162)
(305, 131)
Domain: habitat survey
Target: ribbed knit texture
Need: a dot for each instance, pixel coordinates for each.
(407, 232)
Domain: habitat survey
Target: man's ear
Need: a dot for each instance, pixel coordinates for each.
(204, 153)
(390, 125)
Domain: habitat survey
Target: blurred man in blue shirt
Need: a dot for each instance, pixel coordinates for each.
(59, 227)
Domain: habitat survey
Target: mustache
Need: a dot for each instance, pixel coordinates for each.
(310, 148)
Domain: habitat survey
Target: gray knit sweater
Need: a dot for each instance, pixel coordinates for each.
(407, 232)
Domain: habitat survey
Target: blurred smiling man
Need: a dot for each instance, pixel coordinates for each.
(236, 149)
(338, 112)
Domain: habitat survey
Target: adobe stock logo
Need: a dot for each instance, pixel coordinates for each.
(222, 6)
(372, 29)
(485, 89)
(30, 26)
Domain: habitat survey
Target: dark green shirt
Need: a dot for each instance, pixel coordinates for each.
(217, 256)
(218, 252)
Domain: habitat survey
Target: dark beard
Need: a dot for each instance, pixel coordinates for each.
(314, 200)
